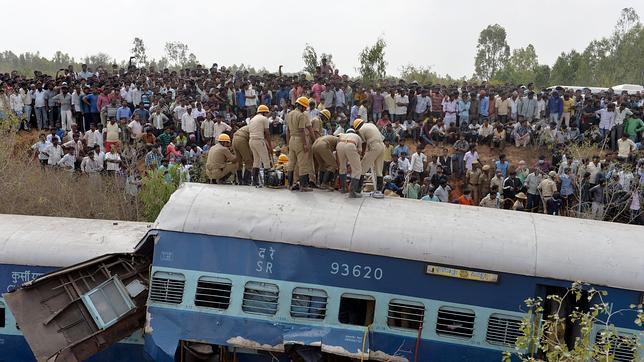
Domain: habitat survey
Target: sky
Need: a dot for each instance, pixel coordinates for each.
(437, 34)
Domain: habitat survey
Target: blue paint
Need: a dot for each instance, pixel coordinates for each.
(307, 264)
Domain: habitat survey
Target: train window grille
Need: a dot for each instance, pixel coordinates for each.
(213, 293)
(622, 347)
(167, 287)
(405, 314)
(503, 330)
(308, 303)
(260, 298)
(455, 322)
(356, 309)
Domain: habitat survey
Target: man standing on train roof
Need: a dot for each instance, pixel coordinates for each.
(241, 148)
(322, 150)
(298, 145)
(348, 150)
(221, 162)
(260, 141)
(374, 156)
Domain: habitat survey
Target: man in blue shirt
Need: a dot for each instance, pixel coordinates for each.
(484, 102)
(143, 113)
(502, 165)
(123, 111)
(240, 99)
(555, 107)
(401, 148)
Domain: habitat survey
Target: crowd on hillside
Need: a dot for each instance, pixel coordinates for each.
(88, 119)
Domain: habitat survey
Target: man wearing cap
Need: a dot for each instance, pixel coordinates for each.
(547, 187)
(519, 204)
(484, 180)
(373, 157)
(491, 200)
(473, 180)
(221, 163)
(299, 155)
(322, 150)
(260, 141)
(348, 150)
(241, 148)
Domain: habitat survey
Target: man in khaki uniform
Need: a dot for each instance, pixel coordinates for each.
(260, 141)
(221, 162)
(322, 150)
(244, 155)
(484, 181)
(299, 155)
(473, 179)
(348, 150)
(374, 156)
(547, 187)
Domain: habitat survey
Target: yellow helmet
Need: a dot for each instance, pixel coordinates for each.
(357, 123)
(282, 159)
(223, 138)
(303, 101)
(263, 109)
(326, 113)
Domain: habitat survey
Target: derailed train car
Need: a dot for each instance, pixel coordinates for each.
(273, 275)
(240, 274)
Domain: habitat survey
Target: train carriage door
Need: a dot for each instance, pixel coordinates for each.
(564, 308)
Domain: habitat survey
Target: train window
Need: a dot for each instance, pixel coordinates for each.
(356, 309)
(260, 298)
(108, 302)
(167, 287)
(308, 303)
(455, 322)
(213, 293)
(503, 329)
(405, 314)
(2, 315)
(622, 347)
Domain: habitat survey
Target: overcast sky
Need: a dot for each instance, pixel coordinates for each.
(440, 34)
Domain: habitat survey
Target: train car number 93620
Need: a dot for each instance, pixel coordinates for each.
(356, 271)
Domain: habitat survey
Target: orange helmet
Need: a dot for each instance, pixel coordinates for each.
(263, 109)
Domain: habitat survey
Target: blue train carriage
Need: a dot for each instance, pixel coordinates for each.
(31, 246)
(271, 275)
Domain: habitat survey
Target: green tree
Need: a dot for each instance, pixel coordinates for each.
(423, 75)
(177, 54)
(372, 61)
(565, 68)
(138, 51)
(542, 334)
(492, 51)
(310, 58)
(156, 189)
(521, 66)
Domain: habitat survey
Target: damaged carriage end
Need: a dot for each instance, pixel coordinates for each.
(78, 311)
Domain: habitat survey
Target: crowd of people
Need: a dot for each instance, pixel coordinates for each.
(394, 138)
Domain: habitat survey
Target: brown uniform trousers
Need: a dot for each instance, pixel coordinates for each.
(322, 150)
(373, 158)
(241, 148)
(260, 153)
(220, 162)
(347, 150)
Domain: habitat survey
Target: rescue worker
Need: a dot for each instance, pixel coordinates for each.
(348, 150)
(221, 162)
(299, 155)
(322, 150)
(318, 122)
(260, 141)
(375, 149)
(244, 155)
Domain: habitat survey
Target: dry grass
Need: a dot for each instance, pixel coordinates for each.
(29, 189)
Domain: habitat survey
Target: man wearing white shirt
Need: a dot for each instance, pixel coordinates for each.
(251, 100)
(113, 161)
(91, 165)
(188, 123)
(418, 160)
(136, 129)
(618, 129)
(68, 161)
(220, 126)
(40, 103)
(41, 148)
(25, 93)
(402, 101)
(90, 136)
(54, 152)
(208, 128)
(158, 119)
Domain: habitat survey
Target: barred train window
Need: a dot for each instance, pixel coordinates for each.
(260, 298)
(308, 303)
(167, 287)
(213, 293)
(456, 322)
(622, 346)
(503, 329)
(356, 309)
(405, 314)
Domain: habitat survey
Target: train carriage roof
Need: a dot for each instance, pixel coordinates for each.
(58, 241)
(601, 253)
